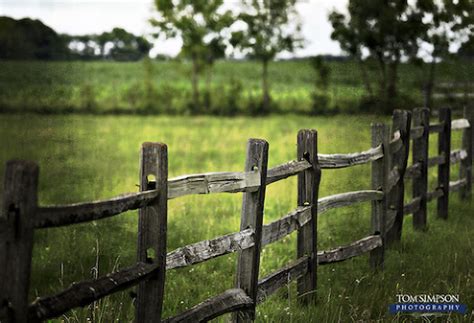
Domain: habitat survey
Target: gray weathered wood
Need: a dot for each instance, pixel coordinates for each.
(282, 227)
(395, 194)
(61, 215)
(248, 263)
(421, 118)
(444, 149)
(437, 193)
(436, 160)
(230, 182)
(209, 249)
(413, 206)
(457, 155)
(414, 170)
(271, 283)
(460, 124)
(457, 185)
(465, 171)
(286, 170)
(16, 241)
(417, 132)
(436, 127)
(86, 292)
(229, 301)
(380, 172)
(396, 143)
(308, 187)
(343, 199)
(347, 160)
(354, 249)
(152, 223)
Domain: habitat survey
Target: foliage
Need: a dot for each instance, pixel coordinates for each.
(201, 25)
(271, 27)
(29, 39)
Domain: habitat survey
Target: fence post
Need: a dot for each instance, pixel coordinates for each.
(466, 164)
(16, 239)
(152, 222)
(444, 149)
(421, 118)
(380, 171)
(308, 187)
(248, 262)
(401, 122)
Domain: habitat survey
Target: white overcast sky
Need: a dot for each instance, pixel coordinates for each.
(88, 16)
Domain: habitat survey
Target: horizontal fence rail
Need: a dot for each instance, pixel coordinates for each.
(388, 157)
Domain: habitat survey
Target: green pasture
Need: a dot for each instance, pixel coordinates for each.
(163, 87)
(84, 157)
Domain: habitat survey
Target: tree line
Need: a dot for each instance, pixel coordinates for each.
(26, 38)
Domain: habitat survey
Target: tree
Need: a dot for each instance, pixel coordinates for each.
(199, 24)
(389, 30)
(449, 23)
(271, 27)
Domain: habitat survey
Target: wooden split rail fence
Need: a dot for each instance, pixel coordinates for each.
(388, 156)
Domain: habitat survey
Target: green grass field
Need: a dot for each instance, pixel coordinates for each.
(164, 87)
(85, 157)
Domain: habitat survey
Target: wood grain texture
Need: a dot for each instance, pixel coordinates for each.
(308, 189)
(20, 198)
(55, 216)
(271, 283)
(282, 227)
(152, 230)
(286, 170)
(86, 292)
(229, 301)
(354, 249)
(209, 249)
(248, 261)
(380, 172)
(343, 199)
(444, 149)
(421, 118)
(230, 182)
(414, 170)
(346, 160)
(395, 190)
(413, 206)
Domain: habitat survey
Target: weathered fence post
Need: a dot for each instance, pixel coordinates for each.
(380, 171)
(152, 224)
(444, 149)
(16, 239)
(308, 187)
(421, 118)
(248, 263)
(401, 122)
(466, 164)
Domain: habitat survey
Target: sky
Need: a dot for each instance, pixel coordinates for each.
(87, 17)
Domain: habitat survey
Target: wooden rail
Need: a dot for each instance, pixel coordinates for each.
(389, 170)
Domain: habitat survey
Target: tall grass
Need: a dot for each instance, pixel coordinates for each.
(85, 157)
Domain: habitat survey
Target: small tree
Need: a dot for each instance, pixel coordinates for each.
(198, 24)
(388, 30)
(447, 23)
(271, 27)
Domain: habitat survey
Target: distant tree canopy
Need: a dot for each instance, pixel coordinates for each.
(29, 39)
(117, 44)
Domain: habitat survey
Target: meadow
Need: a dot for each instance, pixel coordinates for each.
(85, 157)
(163, 87)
